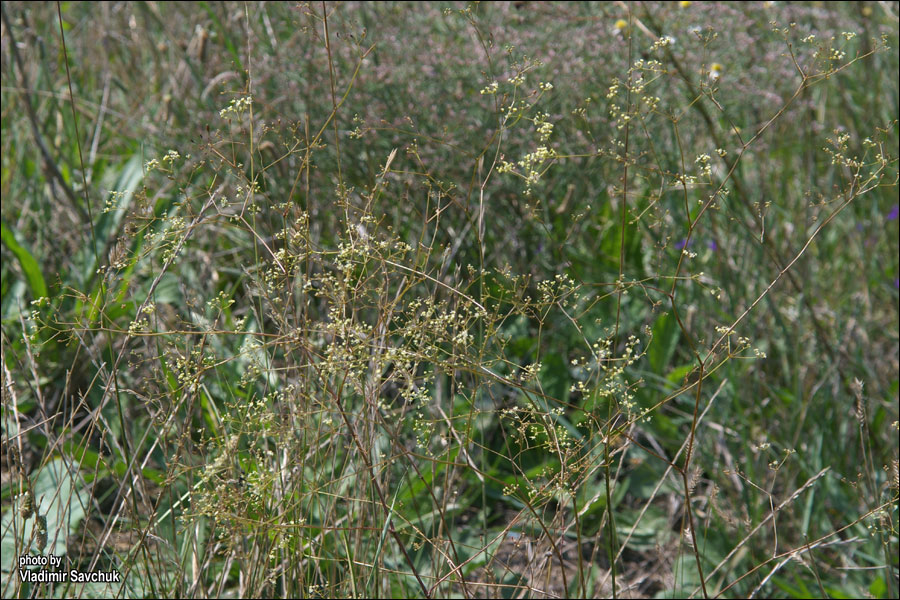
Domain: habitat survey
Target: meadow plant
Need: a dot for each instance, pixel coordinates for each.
(482, 300)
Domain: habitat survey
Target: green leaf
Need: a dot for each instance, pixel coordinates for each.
(107, 226)
(27, 262)
(224, 33)
(678, 374)
(61, 498)
(665, 340)
(878, 589)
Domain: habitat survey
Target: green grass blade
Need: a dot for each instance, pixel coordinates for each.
(30, 266)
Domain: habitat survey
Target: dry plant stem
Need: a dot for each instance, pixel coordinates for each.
(49, 163)
(15, 458)
(310, 143)
(395, 437)
(787, 267)
(92, 416)
(381, 497)
(813, 544)
(795, 555)
(732, 165)
(87, 202)
(771, 515)
(687, 486)
(611, 523)
(126, 448)
(475, 555)
(334, 104)
(768, 245)
(529, 506)
(668, 470)
(702, 363)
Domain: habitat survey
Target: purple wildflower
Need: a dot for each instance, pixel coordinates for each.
(892, 216)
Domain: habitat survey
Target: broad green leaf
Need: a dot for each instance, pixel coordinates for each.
(61, 498)
(665, 339)
(27, 262)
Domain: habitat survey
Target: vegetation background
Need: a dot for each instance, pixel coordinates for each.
(477, 300)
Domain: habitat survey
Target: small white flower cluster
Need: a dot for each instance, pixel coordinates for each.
(743, 342)
(490, 89)
(705, 167)
(220, 302)
(236, 107)
(663, 42)
(530, 372)
(604, 375)
(516, 109)
(554, 290)
(613, 89)
(137, 327)
(541, 154)
(112, 202)
(544, 126)
(839, 149)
